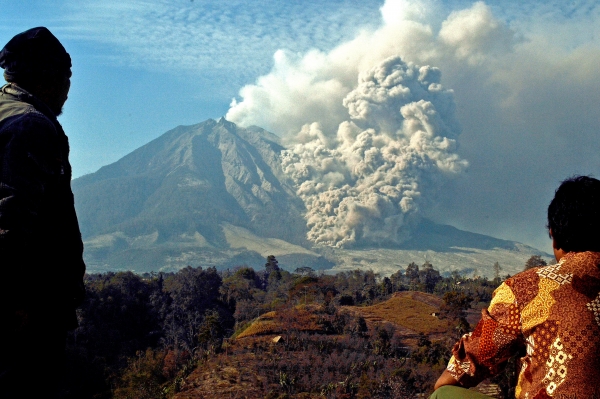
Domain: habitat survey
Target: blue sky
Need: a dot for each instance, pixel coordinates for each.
(141, 68)
(524, 75)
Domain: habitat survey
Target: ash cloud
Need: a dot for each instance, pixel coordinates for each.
(365, 182)
(302, 88)
(526, 87)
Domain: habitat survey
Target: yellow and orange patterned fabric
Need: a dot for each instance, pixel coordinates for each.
(552, 314)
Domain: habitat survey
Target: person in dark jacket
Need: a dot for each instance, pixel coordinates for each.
(40, 242)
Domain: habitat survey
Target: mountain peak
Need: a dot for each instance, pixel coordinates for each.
(223, 121)
(190, 180)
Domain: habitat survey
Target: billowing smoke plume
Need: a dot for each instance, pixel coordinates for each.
(310, 87)
(369, 158)
(366, 182)
(527, 85)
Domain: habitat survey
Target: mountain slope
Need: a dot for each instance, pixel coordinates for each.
(188, 182)
(214, 194)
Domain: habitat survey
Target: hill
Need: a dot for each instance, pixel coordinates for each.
(410, 313)
(302, 341)
(309, 319)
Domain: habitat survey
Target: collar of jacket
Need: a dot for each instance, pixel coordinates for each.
(23, 95)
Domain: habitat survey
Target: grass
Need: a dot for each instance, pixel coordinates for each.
(412, 312)
(260, 327)
(299, 318)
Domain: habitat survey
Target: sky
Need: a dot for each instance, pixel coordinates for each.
(521, 79)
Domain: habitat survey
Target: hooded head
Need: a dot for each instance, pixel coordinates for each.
(38, 62)
(33, 55)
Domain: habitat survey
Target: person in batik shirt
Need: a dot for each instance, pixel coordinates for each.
(550, 313)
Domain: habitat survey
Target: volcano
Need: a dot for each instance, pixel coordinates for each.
(214, 194)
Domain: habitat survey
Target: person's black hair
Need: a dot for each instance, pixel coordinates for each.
(574, 215)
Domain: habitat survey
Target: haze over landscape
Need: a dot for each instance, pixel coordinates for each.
(507, 107)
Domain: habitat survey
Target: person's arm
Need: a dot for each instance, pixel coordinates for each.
(28, 156)
(485, 351)
(29, 161)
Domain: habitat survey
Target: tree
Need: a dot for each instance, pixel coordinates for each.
(272, 264)
(193, 291)
(455, 276)
(143, 377)
(272, 270)
(382, 340)
(412, 273)
(455, 305)
(385, 287)
(497, 269)
(239, 286)
(534, 261)
(455, 308)
(429, 277)
(346, 300)
(211, 331)
(358, 327)
(396, 280)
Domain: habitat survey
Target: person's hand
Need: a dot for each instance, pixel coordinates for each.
(445, 379)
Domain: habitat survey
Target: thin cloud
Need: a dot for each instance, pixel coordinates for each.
(231, 41)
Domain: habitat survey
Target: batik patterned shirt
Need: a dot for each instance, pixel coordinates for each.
(550, 313)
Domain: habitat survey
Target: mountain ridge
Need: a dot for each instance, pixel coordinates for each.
(214, 194)
(207, 166)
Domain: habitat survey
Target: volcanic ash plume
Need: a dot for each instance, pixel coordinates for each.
(367, 182)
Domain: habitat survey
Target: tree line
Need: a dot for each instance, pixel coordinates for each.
(140, 336)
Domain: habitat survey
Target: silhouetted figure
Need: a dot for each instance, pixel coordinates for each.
(550, 315)
(40, 242)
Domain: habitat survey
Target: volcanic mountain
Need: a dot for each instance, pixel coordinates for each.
(214, 194)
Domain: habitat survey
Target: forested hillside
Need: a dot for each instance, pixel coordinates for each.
(200, 333)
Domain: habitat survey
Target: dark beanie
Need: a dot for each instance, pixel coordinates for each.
(34, 55)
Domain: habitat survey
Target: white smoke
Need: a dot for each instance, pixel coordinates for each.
(365, 182)
(310, 87)
(527, 88)
(367, 157)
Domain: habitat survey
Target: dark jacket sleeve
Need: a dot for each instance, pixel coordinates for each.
(27, 170)
(40, 240)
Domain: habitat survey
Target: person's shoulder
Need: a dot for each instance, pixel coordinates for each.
(526, 275)
(525, 286)
(581, 263)
(523, 281)
(29, 123)
(11, 106)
